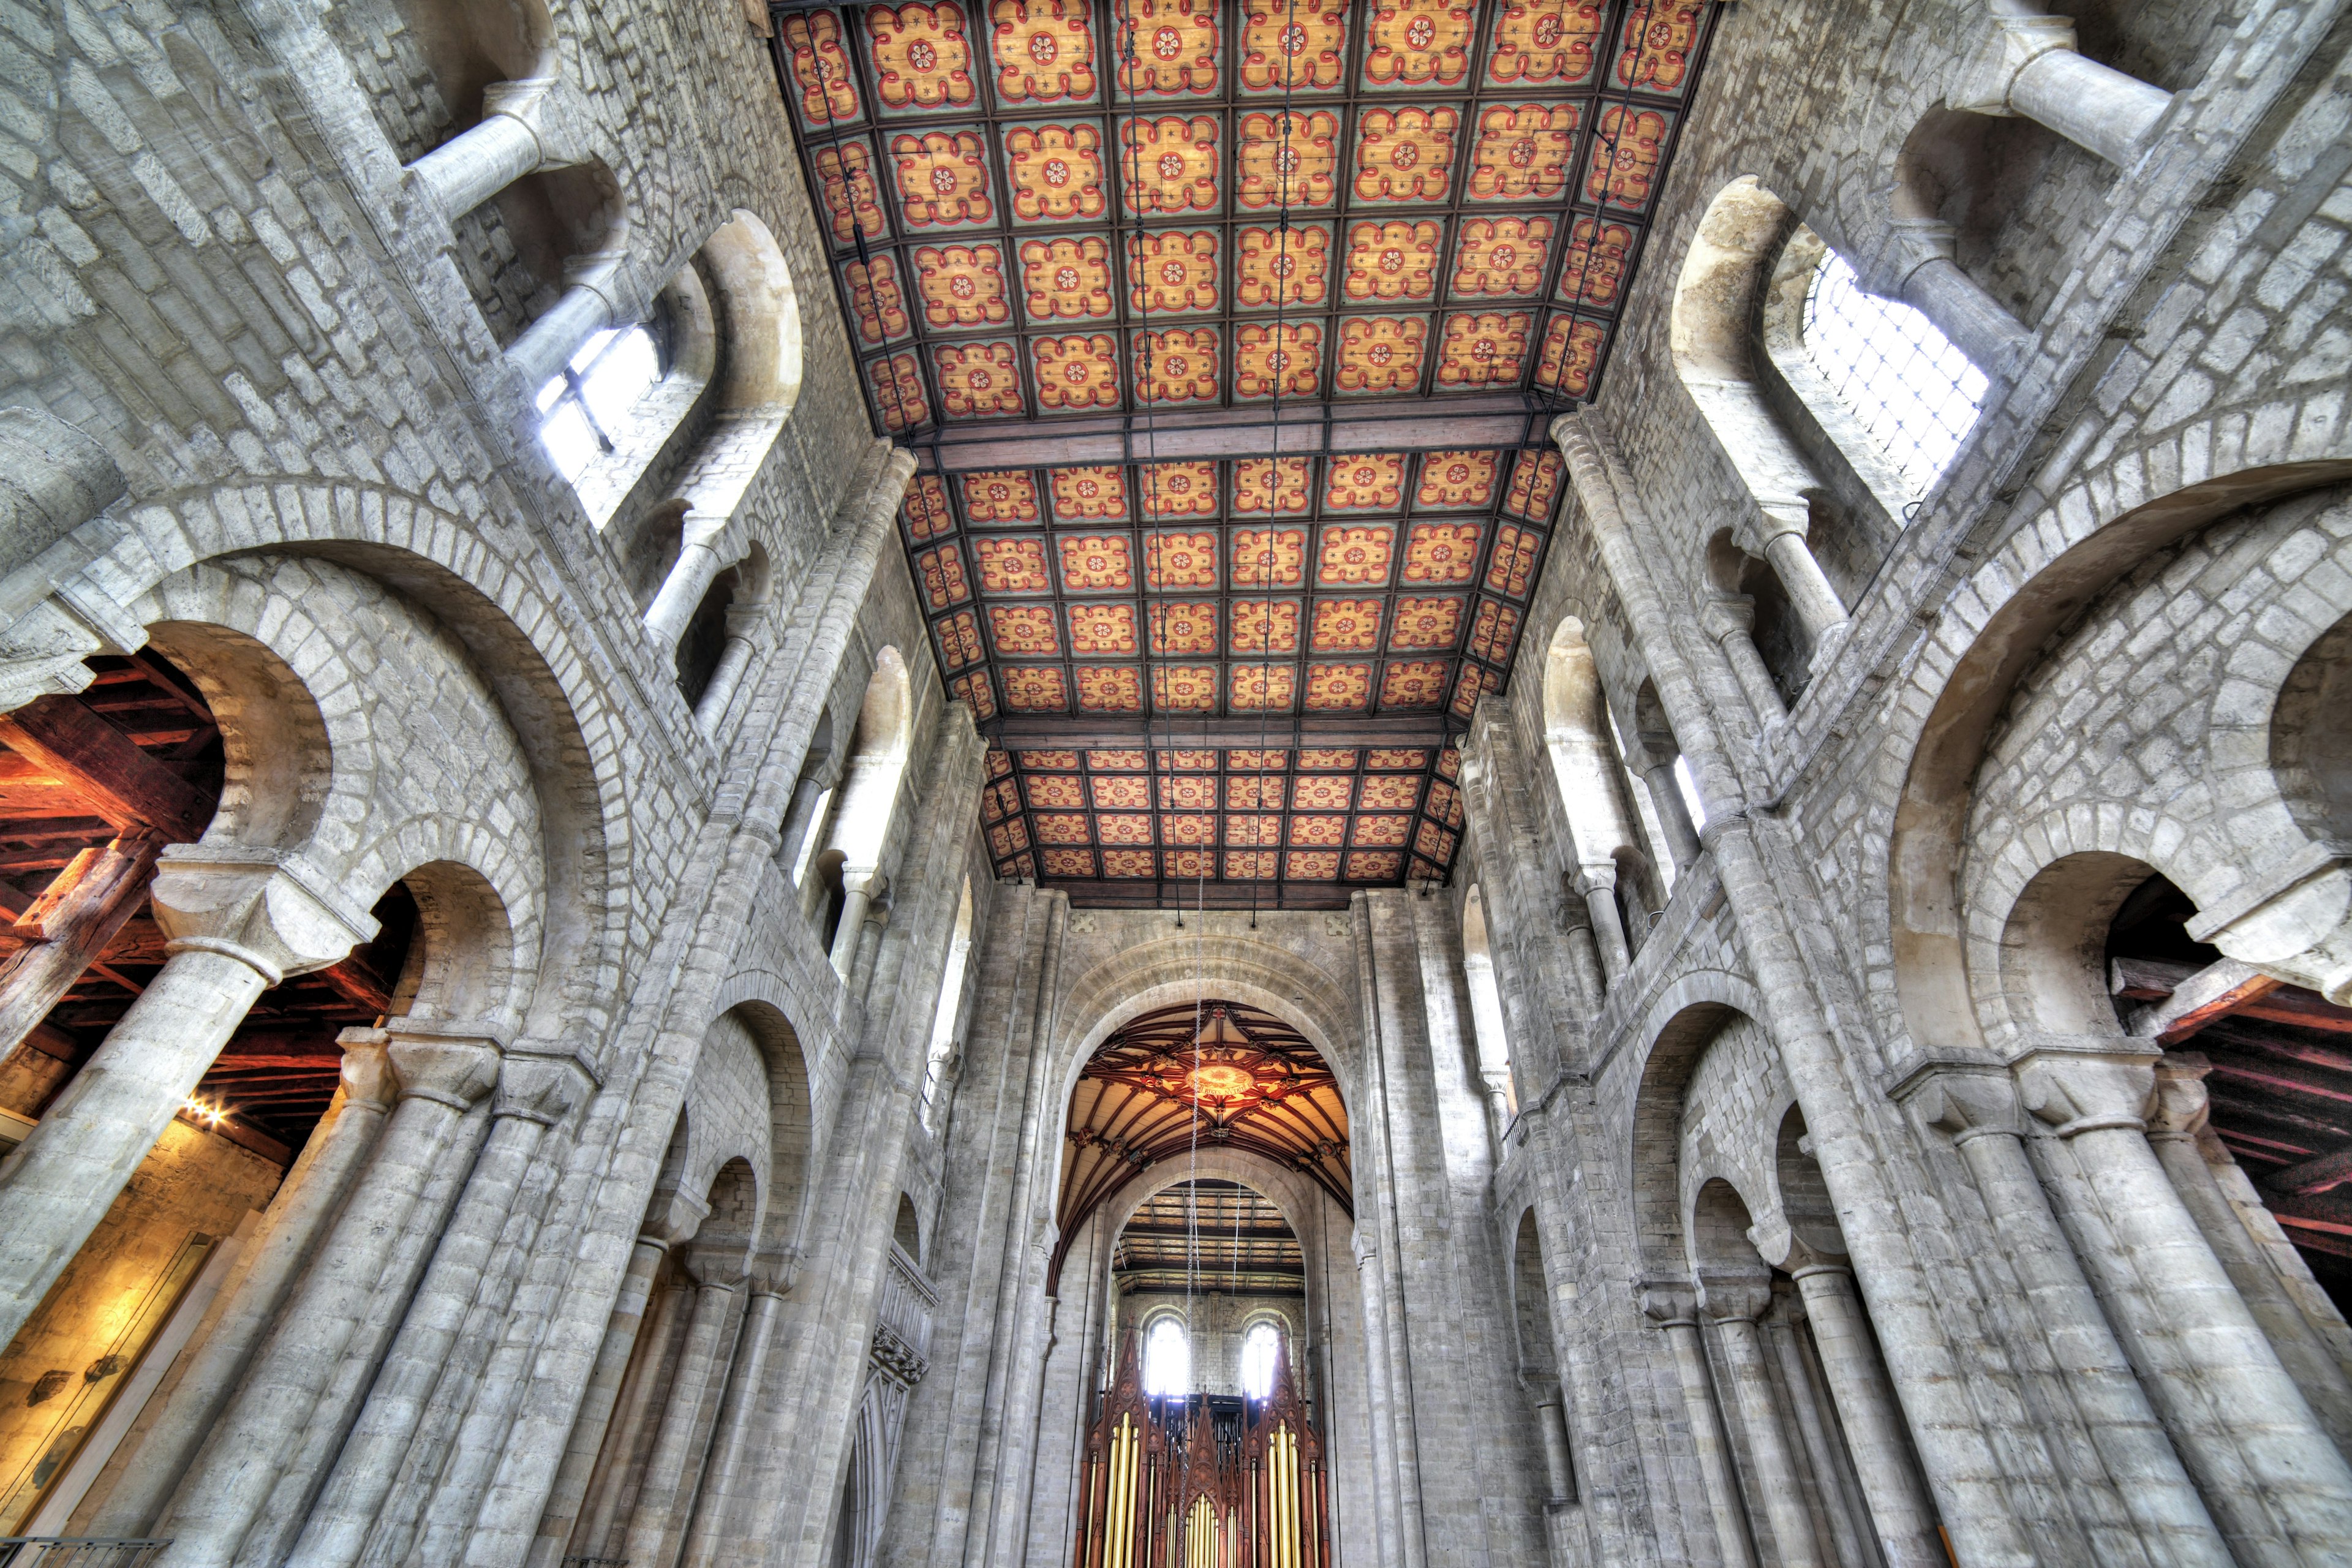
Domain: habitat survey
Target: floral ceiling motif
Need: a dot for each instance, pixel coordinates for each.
(1044, 210)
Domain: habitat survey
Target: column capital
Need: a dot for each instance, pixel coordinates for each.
(2078, 1094)
(1667, 1302)
(1734, 1295)
(368, 1075)
(1728, 615)
(265, 907)
(450, 1062)
(540, 1088)
(2181, 1103)
(1985, 79)
(1966, 1103)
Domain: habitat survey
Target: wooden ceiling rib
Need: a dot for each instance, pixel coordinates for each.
(1208, 1235)
(1182, 1079)
(1227, 333)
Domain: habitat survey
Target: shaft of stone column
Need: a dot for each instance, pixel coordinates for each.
(618, 1455)
(285, 1242)
(108, 890)
(1759, 1417)
(1674, 815)
(1817, 604)
(1902, 1515)
(596, 1405)
(2304, 1477)
(548, 344)
(2150, 1481)
(2096, 107)
(61, 1180)
(737, 1419)
(798, 822)
(851, 929)
(1841, 1511)
(690, 576)
(1961, 310)
(248, 1448)
(370, 1459)
(666, 1471)
(712, 706)
(1731, 622)
(477, 164)
(1710, 1443)
(1608, 930)
(1551, 1425)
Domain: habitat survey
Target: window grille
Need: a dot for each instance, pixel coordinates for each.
(1914, 390)
(585, 403)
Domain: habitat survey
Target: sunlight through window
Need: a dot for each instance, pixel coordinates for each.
(1168, 1360)
(1914, 390)
(1258, 1348)
(583, 405)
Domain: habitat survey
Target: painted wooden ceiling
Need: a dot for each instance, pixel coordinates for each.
(1227, 333)
(1190, 1078)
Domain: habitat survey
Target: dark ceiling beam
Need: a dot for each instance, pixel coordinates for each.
(1134, 735)
(1149, 895)
(99, 763)
(1312, 429)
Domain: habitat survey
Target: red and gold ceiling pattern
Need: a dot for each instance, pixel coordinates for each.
(1326, 225)
(1215, 1075)
(1047, 207)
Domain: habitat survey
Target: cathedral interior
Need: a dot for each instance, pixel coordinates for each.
(1175, 783)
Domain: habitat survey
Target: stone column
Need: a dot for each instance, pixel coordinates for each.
(734, 661)
(858, 886)
(532, 1096)
(237, 921)
(1978, 1112)
(653, 1526)
(724, 1473)
(1781, 532)
(1928, 279)
(1672, 1306)
(1733, 1305)
(705, 550)
(1673, 814)
(1608, 922)
(1551, 1426)
(589, 304)
(286, 1241)
(1584, 951)
(2298, 1506)
(1902, 1514)
(638, 1415)
(588, 1432)
(2029, 66)
(328, 1320)
(479, 162)
(1839, 1511)
(1730, 620)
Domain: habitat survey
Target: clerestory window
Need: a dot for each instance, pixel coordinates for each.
(1912, 389)
(1168, 1359)
(585, 408)
(1259, 1347)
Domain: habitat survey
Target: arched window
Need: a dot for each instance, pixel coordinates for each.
(1486, 1013)
(1591, 774)
(1259, 1347)
(943, 1015)
(1168, 1359)
(585, 408)
(1914, 392)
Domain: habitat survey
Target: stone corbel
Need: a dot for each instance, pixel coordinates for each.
(2181, 1104)
(1986, 78)
(265, 907)
(369, 1077)
(773, 1270)
(541, 1089)
(2295, 922)
(1769, 519)
(673, 1218)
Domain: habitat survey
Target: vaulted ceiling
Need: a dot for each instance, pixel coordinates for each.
(1228, 332)
(1207, 1075)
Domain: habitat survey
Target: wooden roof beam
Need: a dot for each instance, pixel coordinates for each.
(100, 764)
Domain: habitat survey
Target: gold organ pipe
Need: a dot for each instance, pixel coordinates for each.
(1289, 1497)
(1122, 1466)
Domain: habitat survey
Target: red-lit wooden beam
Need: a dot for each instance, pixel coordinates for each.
(98, 763)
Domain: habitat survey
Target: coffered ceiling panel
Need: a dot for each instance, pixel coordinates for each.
(1227, 331)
